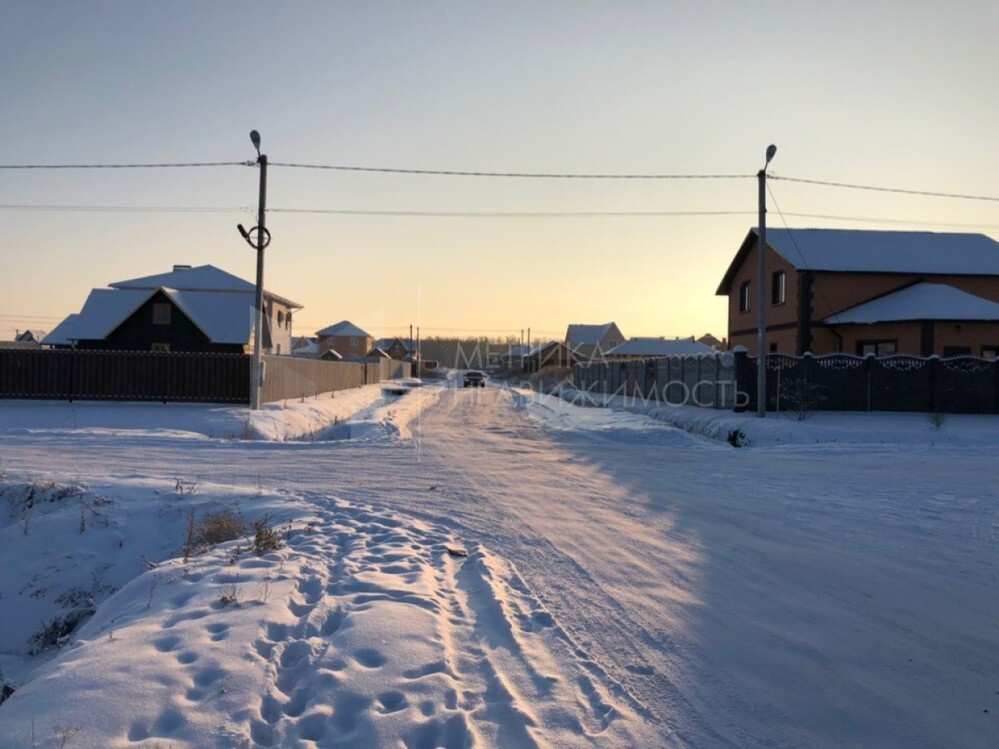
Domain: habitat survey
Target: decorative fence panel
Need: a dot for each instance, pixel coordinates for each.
(834, 382)
(840, 382)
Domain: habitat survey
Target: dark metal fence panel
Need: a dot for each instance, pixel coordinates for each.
(901, 383)
(892, 383)
(124, 375)
(965, 384)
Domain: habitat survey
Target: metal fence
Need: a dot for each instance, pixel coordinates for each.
(841, 382)
(124, 375)
(176, 376)
(833, 382)
(286, 377)
(706, 380)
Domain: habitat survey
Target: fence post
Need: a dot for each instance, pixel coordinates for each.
(742, 379)
(869, 368)
(933, 400)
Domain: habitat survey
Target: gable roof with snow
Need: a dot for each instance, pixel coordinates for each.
(577, 333)
(343, 328)
(64, 333)
(224, 317)
(660, 347)
(866, 251)
(30, 336)
(202, 278)
(920, 301)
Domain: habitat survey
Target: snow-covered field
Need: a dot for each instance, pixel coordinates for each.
(495, 568)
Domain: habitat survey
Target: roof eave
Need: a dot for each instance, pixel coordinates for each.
(725, 287)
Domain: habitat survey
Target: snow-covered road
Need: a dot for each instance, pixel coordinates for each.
(701, 595)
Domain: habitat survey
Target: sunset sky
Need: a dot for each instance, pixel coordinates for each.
(893, 94)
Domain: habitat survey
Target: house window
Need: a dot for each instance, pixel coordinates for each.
(774, 349)
(778, 285)
(353, 340)
(287, 321)
(744, 296)
(956, 351)
(990, 352)
(280, 318)
(161, 313)
(878, 348)
(159, 347)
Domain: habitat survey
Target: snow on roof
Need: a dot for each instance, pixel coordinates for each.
(202, 278)
(223, 317)
(867, 251)
(105, 310)
(344, 327)
(659, 347)
(886, 251)
(62, 334)
(921, 301)
(587, 334)
(377, 353)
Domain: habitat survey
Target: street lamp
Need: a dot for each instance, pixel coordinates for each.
(258, 237)
(761, 325)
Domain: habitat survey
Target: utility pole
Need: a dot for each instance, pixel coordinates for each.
(761, 325)
(258, 237)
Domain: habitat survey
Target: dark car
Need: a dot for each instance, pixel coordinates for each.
(474, 378)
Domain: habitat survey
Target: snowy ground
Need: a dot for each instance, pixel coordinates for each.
(494, 568)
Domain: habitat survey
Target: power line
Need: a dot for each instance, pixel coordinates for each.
(353, 212)
(123, 208)
(130, 166)
(902, 222)
(902, 191)
(516, 175)
(509, 214)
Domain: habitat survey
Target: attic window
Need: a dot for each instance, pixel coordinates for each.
(161, 313)
(778, 288)
(744, 296)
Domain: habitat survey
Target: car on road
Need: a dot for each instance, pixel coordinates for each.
(474, 378)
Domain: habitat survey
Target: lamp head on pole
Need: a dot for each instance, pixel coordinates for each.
(255, 140)
(771, 151)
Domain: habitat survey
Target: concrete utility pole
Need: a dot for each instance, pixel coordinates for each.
(258, 237)
(761, 325)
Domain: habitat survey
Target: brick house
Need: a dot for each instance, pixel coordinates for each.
(347, 339)
(859, 292)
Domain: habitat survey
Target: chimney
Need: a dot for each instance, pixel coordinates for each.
(181, 267)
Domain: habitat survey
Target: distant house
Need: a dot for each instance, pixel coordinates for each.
(188, 309)
(550, 354)
(376, 354)
(709, 340)
(350, 341)
(304, 347)
(860, 292)
(396, 348)
(646, 348)
(29, 336)
(592, 342)
(24, 339)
